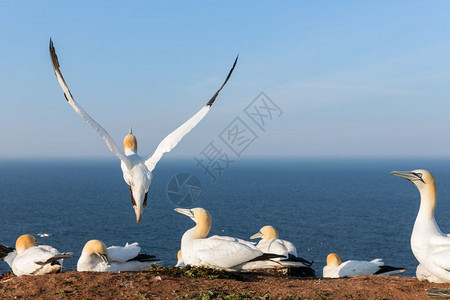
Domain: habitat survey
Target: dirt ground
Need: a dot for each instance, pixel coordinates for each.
(169, 284)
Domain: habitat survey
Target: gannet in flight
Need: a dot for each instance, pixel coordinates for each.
(35, 259)
(221, 252)
(429, 245)
(96, 257)
(335, 268)
(137, 171)
(7, 254)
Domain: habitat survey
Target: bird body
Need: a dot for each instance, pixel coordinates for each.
(335, 268)
(270, 243)
(429, 245)
(34, 259)
(277, 246)
(423, 274)
(96, 257)
(222, 252)
(136, 170)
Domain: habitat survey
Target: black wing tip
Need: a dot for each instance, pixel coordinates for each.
(389, 269)
(266, 256)
(4, 251)
(145, 258)
(211, 101)
(292, 257)
(53, 55)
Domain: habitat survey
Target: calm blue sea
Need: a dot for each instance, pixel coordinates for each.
(353, 207)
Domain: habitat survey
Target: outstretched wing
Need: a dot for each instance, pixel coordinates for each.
(170, 141)
(101, 131)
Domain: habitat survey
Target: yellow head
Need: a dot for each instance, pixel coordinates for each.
(425, 183)
(269, 232)
(333, 260)
(130, 142)
(95, 247)
(201, 217)
(266, 233)
(24, 242)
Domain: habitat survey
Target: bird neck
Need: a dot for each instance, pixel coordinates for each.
(425, 224)
(428, 200)
(200, 231)
(88, 261)
(129, 151)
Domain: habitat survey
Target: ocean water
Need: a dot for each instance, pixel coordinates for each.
(353, 207)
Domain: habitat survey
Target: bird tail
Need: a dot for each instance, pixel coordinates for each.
(266, 256)
(145, 257)
(388, 270)
(294, 258)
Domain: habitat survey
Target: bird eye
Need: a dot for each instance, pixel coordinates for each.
(419, 177)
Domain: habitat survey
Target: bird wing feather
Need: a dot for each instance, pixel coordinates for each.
(28, 261)
(79, 110)
(170, 141)
(123, 254)
(224, 253)
(357, 267)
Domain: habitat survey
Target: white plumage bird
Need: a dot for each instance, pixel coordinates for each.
(271, 243)
(221, 252)
(429, 245)
(97, 258)
(137, 171)
(335, 268)
(35, 259)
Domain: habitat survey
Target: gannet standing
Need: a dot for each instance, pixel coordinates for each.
(7, 254)
(429, 245)
(335, 268)
(34, 259)
(137, 171)
(221, 252)
(96, 257)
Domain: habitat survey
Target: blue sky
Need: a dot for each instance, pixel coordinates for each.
(353, 78)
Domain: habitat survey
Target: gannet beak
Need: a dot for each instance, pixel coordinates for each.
(411, 176)
(186, 212)
(103, 257)
(138, 212)
(256, 236)
(139, 201)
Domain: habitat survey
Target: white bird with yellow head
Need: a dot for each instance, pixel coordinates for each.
(137, 171)
(34, 259)
(95, 257)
